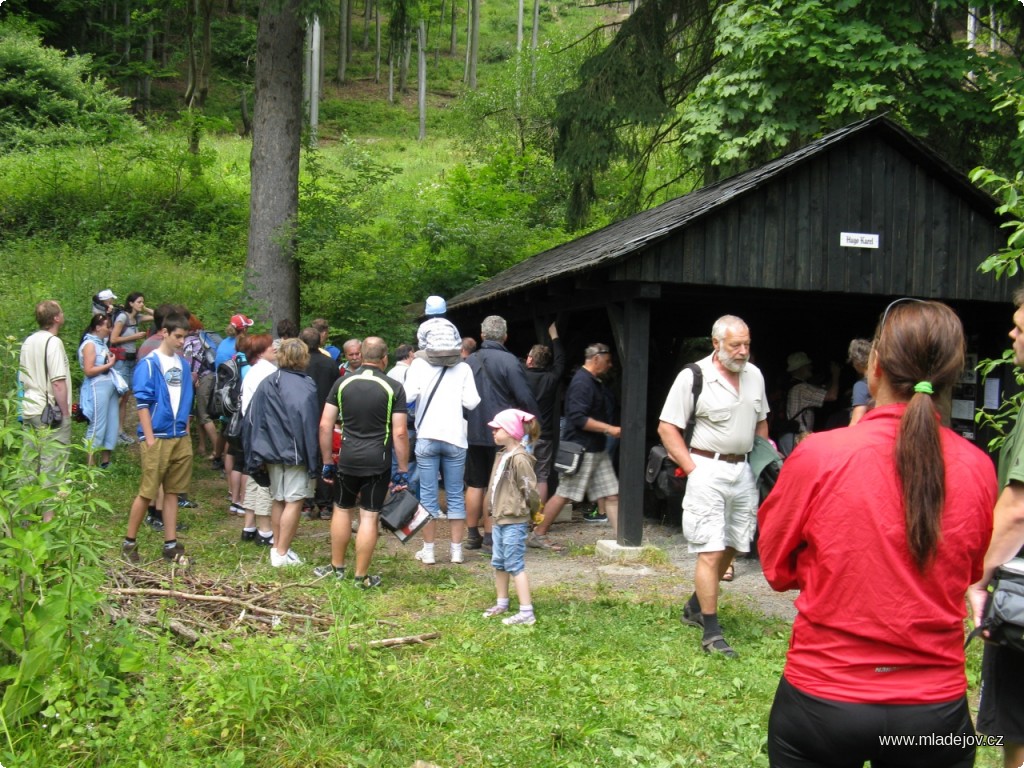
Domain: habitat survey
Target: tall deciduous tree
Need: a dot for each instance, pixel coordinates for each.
(272, 273)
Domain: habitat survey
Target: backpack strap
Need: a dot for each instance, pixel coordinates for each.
(695, 388)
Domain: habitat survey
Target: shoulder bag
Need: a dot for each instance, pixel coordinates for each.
(51, 416)
(1004, 612)
(662, 475)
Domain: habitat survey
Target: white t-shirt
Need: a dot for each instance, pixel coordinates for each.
(34, 371)
(726, 419)
(173, 371)
(257, 373)
(457, 390)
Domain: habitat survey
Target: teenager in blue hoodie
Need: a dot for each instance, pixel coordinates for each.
(163, 391)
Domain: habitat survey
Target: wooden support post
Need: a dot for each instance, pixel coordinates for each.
(633, 349)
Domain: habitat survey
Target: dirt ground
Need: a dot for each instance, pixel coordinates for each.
(581, 570)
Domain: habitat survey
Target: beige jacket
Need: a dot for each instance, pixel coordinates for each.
(512, 496)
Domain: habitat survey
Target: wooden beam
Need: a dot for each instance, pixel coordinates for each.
(634, 345)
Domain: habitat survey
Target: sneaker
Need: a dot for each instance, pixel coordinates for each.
(124, 439)
(425, 557)
(368, 582)
(187, 504)
(326, 513)
(473, 542)
(217, 464)
(329, 570)
(526, 619)
(263, 541)
(495, 610)
(487, 547)
(249, 535)
(130, 551)
(456, 556)
(176, 555)
(286, 560)
(594, 516)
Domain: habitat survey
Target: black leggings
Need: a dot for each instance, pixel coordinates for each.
(809, 732)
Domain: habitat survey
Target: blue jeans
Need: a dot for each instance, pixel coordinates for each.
(414, 477)
(432, 456)
(509, 548)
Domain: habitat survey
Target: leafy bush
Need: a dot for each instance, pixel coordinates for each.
(58, 667)
(49, 98)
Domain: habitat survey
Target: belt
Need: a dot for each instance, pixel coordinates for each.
(731, 458)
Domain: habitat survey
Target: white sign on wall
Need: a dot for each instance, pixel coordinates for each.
(858, 240)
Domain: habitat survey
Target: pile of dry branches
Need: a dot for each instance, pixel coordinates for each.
(190, 607)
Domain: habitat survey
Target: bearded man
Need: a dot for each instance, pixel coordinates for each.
(720, 504)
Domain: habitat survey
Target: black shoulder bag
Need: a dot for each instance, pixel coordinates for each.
(51, 416)
(1004, 611)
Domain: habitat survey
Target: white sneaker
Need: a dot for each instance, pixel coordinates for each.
(289, 558)
(425, 557)
(457, 556)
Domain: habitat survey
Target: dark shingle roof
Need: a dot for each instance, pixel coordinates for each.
(622, 238)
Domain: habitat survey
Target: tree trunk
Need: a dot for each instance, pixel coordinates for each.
(421, 44)
(519, 26)
(474, 44)
(453, 45)
(272, 275)
(376, 57)
(403, 73)
(533, 42)
(343, 39)
(205, 52)
(368, 6)
(147, 76)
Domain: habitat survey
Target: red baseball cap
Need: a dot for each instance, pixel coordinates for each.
(240, 322)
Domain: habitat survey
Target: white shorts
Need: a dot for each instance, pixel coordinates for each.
(289, 483)
(720, 506)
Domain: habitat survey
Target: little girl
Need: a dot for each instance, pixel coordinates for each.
(511, 496)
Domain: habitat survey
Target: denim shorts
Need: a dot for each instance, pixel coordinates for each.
(509, 547)
(126, 368)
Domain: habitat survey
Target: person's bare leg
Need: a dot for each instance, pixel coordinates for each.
(474, 506)
(551, 509)
(429, 531)
(457, 528)
(170, 516)
(705, 581)
(501, 579)
(1013, 754)
(341, 535)
(609, 506)
(288, 526)
(366, 540)
(136, 514)
(522, 589)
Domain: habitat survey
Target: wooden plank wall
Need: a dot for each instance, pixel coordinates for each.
(785, 235)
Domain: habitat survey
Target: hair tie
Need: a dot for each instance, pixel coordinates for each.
(925, 387)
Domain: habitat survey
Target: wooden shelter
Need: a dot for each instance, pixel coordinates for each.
(808, 249)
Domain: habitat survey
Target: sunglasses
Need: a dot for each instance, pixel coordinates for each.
(885, 314)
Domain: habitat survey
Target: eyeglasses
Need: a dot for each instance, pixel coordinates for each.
(885, 314)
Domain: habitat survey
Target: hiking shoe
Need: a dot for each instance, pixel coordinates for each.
(326, 513)
(425, 557)
(487, 546)
(594, 516)
(263, 541)
(526, 619)
(717, 644)
(123, 438)
(130, 551)
(176, 555)
(329, 570)
(368, 582)
(473, 542)
(692, 618)
(217, 464)
(495, 610)
(187, 504)
(249, 535)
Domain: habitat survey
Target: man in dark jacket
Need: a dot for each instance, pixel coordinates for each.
(544, 374)
(501, 382)
(588, 412)
(324, 372)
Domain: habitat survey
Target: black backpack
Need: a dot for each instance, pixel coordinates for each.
(227, 390)
(662, 475)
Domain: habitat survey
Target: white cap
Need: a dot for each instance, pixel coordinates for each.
(106, 295)
(435, 306)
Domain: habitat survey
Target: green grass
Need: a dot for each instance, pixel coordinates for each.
(603, 678)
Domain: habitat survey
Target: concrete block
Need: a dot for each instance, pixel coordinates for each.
(608, 549)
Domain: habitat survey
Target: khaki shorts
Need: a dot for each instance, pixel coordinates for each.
(289, 483)
(257, 498)
(169, 462)
(720, 506)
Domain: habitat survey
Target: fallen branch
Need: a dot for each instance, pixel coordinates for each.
(390, 642)
(244, 604)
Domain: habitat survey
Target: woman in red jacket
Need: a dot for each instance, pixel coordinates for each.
(882, 528)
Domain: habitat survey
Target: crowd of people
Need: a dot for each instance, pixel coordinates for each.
(882, 569)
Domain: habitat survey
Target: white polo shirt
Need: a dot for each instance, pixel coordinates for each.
(726, 419)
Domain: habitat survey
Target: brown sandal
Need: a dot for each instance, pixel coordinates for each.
(730, 573)
(541, 541)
